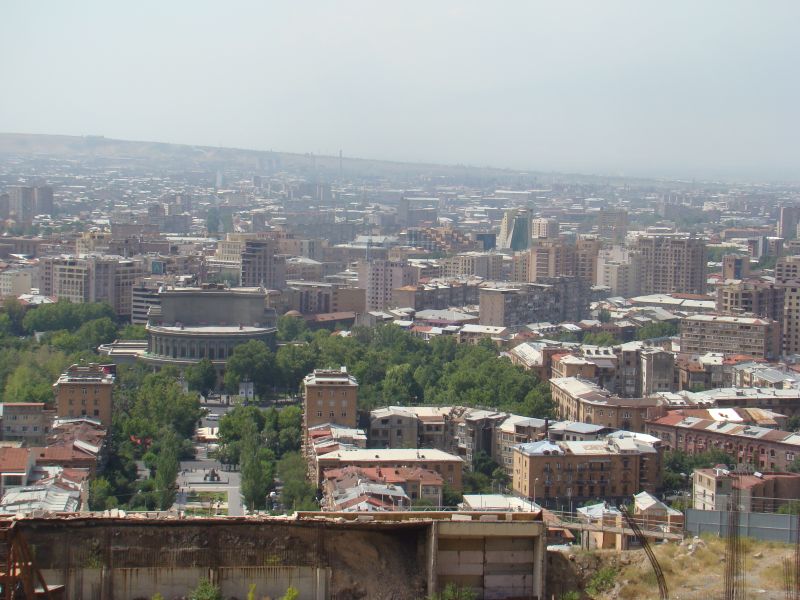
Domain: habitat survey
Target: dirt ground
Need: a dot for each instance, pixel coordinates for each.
(694, 570)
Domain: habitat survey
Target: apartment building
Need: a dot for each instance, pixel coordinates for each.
(756, 337)
(712, 489)
(612, 224)
(671, 263)
(584, 401)
(614, 468)
(330, 396)
(27, 422)
(91, 279)
(619, 269)
(787, 268)
(553, 299)
(447, 465)
(791, 317)
(437, 295)
(752, 297)
(487, 265)
(763, 448)
(14, 282)
(381, 277)
(262, 265)
(315, 297)
(544, 228)
(85, 391)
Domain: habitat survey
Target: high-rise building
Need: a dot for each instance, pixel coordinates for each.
(787, 222)
(25, 202)
(787, 268)
(91, 279)
(262, 265)
(544, 228)
(671, 263)
(619, 269)
(380, 277)
(791, 317)
(587, 250)
(330, 396)
(612, 224)
(735, 266)
(754, 297)
(551, 258)
(22, 203)
(515, 230)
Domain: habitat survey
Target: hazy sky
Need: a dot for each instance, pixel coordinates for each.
(680, 88)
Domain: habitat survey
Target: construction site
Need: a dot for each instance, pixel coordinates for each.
(386, 556)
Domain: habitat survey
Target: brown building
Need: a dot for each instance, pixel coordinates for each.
(712, 489)
(671, 262)
(331, 396)
(759, 338)
(614, 468)
(762, 448)
(85, 391)
(380, 277)
(552, 299)
(447, 465)
(262, 265)
(754, 297)
(27, 422)
(581, 400)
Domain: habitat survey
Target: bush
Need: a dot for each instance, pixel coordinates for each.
(453, 592)
(206, 590)
(601, 581)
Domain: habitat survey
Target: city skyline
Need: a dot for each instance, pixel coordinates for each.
(634, 89)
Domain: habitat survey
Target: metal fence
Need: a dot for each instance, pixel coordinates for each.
(761, 526)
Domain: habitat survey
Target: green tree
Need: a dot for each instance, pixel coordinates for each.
(251, 361)
(212, 220)
(206, 590)
(16, 313)
(656, 329)
(400, 387)
(257, 468)
(133, 332)
(292, 328)
(291, 594)
(297, 493)
(294, 362)
(604, 316)
(167, 467)
(601, 338)
(202, 377)
(101, 494)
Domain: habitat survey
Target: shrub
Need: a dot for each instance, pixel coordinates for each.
(601, 581)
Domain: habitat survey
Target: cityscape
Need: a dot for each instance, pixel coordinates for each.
(235, 370)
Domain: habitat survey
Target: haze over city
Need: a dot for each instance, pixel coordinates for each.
(678, 89)
(414, 301)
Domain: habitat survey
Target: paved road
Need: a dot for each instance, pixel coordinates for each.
(191, 478)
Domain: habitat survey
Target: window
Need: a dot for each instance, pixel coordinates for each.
(319, 413)
(330, 414)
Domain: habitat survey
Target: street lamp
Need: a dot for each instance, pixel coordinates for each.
(534, 489)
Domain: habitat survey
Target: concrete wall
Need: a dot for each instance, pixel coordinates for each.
(170, 582)
(130, 559)
(761, 526)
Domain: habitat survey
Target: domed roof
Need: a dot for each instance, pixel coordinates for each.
(292, 313)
